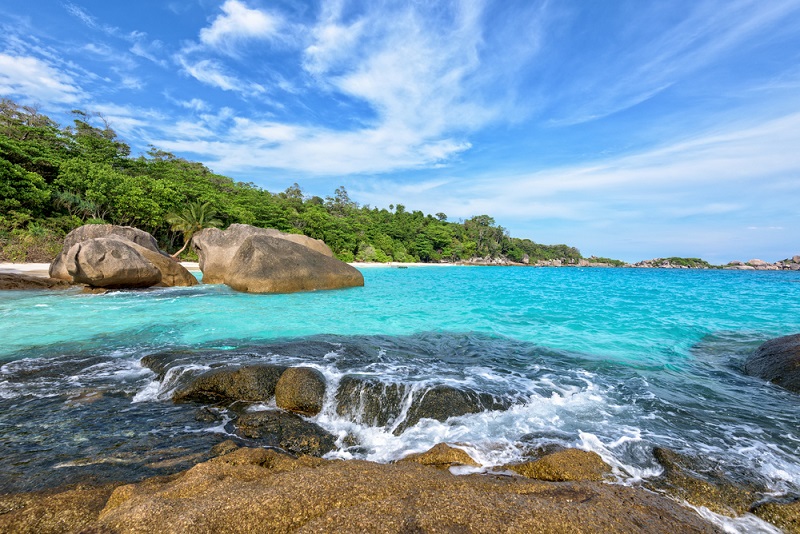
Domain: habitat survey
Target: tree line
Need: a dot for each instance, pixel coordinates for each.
(54, 179)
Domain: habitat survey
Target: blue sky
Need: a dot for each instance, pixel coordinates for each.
(628, 128)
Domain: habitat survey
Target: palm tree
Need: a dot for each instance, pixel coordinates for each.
(191, 219)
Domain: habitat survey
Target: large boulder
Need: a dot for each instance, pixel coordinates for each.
(300, 390)
(777, 360)
(265, 264)
(290, 432)
(251, 383)
(369, 401)
(58, 268)
(216, 248)
(16, 281)
(110, 263)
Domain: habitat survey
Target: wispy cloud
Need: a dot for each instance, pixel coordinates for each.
(32, 79)
(237, 23)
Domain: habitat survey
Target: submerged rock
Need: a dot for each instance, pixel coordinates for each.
(216, 248)
(287, 431)
(777, 360)
(441, 455)
(784, 515)
(14, 281)
(565, 465)
(257, 490)
(682, 478)
(369, 401)
(251, 383)
(301, 390)
(265, 264)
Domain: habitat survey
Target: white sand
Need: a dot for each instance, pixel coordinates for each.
(34, 269)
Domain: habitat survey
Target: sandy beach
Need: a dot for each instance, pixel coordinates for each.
(43, 269)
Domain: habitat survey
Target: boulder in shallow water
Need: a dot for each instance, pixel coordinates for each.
(288, 431)
(300, 390)
(216, 248)
(15, 282)
(566, 465)
(442, 402)
(369, 401)
(265, 264)
(111, 263)
(251, 383)
(58, 268)
(784, 515)
(442, 456)
(777, 360)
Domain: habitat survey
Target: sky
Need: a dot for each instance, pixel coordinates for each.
(630, 129)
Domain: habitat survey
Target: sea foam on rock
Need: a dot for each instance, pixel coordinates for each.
(251, 383)
(777, 360)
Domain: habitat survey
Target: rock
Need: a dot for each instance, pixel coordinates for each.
(265, 264)
(251, 383)
(288, 431)
(795, 259)
(173, 274)
(442, 456)
(566, 465)
(66, 510)
(225, 447)
(110, 263)
(15, 282)
(442, 402)
(682, 479)
(216, 248)
(784, 515)
(757, 263)
(369, 401)
(58, 268)
(257, 490)
(777, 360)
(300, 390)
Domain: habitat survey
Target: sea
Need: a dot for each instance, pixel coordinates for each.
(616, 361)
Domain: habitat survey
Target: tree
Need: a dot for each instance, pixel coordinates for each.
(192, 219)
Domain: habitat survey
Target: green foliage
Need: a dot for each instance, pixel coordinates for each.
(53, 180)
(693, 263)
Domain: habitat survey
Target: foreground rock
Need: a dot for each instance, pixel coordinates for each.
(109, 256)
(777, 360)
(566, 465)
(442, 402)
(301, 390)
(443, 456)
(251, 383)
(265, 264)
(784, 515)
(14, 281)
(216, 248)
(290, 432)
(255, 490)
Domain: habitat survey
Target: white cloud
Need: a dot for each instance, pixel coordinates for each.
(238, 22)
(32, 79)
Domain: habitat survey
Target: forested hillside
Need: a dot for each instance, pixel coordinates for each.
(53, 179)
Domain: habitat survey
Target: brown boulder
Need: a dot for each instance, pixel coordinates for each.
(110, 262)
(300, 390)
(566, 465)
(256, 490)
(216, 248)
(14, 281)
(252, 383)
(441, 455)
(266, 264)
(777, 360)
(784, 515)
(58, 268)
(290, 432)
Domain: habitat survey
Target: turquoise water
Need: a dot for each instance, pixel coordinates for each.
(613, 360)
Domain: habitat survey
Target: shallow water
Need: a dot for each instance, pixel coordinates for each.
(612, 360)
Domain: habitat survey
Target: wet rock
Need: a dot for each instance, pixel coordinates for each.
(442, 456)
(300, 390)
(15, 282)
(265, 264)
(57, 511)
(58, 268)
(224, 447)
(251, 383)
(442, 402)
(216, 248)
(784, 515)
(566, 465)
(288, 431)
(777, 360)
(110, 263)
(257, 490)
(207, 415)
(369, 401)
(686, 478)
